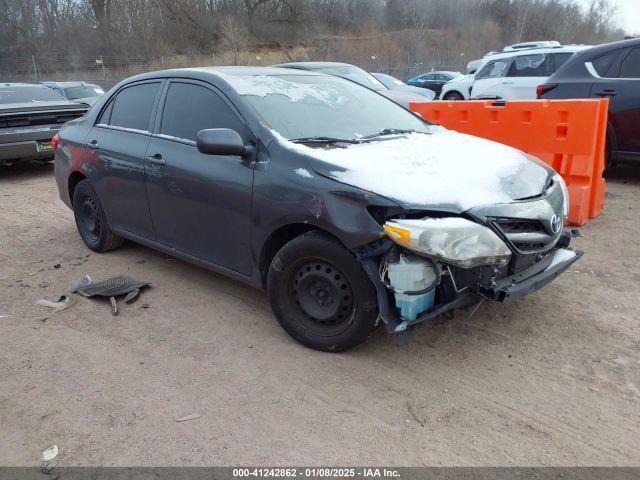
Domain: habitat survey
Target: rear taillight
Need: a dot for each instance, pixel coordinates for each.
(544, 88)
(54, 141)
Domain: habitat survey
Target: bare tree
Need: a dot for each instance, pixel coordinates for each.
(235, 36)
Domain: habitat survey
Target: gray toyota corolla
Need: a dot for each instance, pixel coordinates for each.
(348, 209)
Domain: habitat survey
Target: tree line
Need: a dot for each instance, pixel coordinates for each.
(389, 32)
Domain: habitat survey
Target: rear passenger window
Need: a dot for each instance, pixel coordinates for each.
(190, 108)
(560, 59)
(132, 107)
(603, 63)
(630, 67)
(529, 66)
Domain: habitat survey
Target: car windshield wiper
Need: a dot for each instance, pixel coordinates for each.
(390, 131)
(320, 139)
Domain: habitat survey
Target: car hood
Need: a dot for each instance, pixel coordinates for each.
(87, 100)
(402, 97)
(441, 170)
(422, 92)
(460, 79)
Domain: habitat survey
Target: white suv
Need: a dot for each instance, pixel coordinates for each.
(510, 75)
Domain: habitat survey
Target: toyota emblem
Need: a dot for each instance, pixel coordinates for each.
(555, 223)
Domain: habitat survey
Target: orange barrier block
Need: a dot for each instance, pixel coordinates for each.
(568, 135)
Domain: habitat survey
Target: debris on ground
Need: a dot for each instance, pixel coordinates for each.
(112, 288)
(193, 416)
(50, 453)
(132, 296)
(58, 303)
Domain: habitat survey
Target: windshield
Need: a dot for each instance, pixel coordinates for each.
(354, 74)
(83, 91)
(23, 94)
(303, 106)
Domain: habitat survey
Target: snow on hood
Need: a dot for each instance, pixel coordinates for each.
(443, 169)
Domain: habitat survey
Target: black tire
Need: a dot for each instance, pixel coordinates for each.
(91, 221)
(320, 294)
(453, 96)
(609, 162)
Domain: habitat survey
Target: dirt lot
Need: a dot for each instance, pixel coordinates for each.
(550, 380)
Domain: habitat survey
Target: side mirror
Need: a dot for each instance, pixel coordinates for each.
(220, 141)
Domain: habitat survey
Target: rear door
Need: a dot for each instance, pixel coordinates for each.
(621, 85)
(116, 148)
(524, 75)
(200, 204)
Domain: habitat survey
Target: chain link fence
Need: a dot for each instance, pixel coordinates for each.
(106, 70)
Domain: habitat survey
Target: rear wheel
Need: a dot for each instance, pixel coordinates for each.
(320, 294)
(453, 96)
(91, 221)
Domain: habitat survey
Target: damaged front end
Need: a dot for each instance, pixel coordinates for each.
(427, 266)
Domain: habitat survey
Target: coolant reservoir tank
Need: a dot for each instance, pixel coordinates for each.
(412, 273)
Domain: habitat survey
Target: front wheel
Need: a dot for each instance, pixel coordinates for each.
(453, 96)
(320, 294)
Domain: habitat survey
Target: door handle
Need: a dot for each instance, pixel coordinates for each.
(157, 159)
(606, 93)
(92, 145)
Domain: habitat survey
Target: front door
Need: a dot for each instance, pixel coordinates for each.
(489, 79)
(200, 204)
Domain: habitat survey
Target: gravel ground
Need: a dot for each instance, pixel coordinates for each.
(553, 379)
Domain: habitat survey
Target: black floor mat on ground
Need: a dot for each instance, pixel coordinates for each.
(112, 287)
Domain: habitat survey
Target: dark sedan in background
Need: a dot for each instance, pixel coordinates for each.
(607, 71)
(359, 76)
(79, 92)
(433, 80)
(30, 115)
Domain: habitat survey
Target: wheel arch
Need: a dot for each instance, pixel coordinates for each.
(278, 239)
(74, 178)
(449, 92)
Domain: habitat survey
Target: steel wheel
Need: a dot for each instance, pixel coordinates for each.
(89, 218)
(323, 297)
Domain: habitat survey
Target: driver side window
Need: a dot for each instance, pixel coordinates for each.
(493, 69)
(189, 108)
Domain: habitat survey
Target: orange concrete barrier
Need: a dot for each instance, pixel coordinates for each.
(568, 135)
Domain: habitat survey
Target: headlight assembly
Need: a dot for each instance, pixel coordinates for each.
(452, 240)
(565, 192)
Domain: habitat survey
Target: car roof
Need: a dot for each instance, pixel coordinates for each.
(20, 84)
(533, 51)
(607, 47)
(218, 76)
(312, 65)
(70, 83)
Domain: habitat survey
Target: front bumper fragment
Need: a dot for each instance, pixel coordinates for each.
(535, 277)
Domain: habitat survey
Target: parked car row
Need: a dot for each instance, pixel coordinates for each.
(510, 75)
(564, 72)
